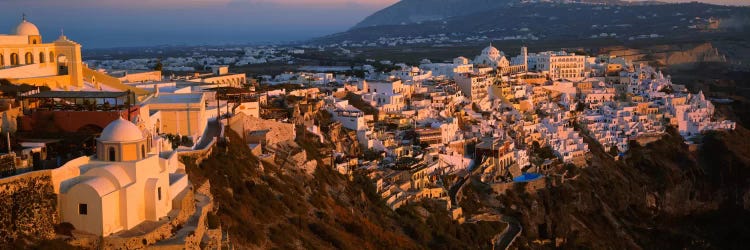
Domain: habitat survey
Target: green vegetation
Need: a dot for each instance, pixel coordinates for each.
(613, 150)
(158, 66)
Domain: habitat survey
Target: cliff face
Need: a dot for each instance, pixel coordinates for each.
(284, 206)
(661, 195)
(344, 140)
(674, 56)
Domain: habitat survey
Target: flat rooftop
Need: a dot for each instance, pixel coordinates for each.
(176, 98)
(78, 94)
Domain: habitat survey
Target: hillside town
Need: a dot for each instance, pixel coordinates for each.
(108, 137)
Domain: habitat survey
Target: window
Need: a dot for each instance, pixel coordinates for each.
(83, 209)
(158, 193)
(41, 57)
(111, 154)
(51, 56)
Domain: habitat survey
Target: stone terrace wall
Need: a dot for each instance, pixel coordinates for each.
(277, 131)
(28, 207)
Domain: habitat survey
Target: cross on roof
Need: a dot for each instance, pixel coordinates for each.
(23, 16)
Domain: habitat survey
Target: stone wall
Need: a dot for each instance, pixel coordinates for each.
(28, 207)
(530, 187)
(277, 131)
(7, 165)
(198, 155)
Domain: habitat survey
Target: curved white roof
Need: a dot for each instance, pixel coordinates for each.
(121, 130)
(26, 28)
(101, 185)
(115, 173)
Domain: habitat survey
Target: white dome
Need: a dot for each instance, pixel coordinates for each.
(121, 130)
(490, 50)
(26, 28)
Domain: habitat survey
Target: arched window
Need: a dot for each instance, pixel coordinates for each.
(14, 59)
(41, 57)
(143, 151)
(29, 58)
(51, 56)
(112, 154)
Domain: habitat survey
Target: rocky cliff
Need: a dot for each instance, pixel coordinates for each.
(264, 205)
(661, 195)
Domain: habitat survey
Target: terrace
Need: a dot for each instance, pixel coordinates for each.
(78, 101)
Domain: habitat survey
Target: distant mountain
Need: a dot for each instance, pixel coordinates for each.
(414, 11)
(461, 21)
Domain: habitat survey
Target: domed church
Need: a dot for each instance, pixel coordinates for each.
(125, 184)
(24, 56)
(121, 140)
(493, 57)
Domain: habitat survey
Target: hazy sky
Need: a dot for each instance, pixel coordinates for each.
(112, 23)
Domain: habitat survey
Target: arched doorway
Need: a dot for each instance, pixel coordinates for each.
(62, 65)
(2, 60)
(111, 154)
(14, 59)
(41, 57)
(28, 58)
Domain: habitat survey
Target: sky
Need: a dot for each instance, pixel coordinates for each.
(129, 23)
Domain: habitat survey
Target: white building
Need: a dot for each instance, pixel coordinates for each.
(122, 186)
(559, 65)
(473, 86)
(491, 56)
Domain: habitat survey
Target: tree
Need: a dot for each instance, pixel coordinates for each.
(547, 152)
(535, 146)
(158, 66)
(580, 107)
(613, 150)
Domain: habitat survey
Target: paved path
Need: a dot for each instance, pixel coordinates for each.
(212, 130)
(507, 236)
(510, 234)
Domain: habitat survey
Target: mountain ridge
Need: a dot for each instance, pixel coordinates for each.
(416, 11)
(413, 11)
(544, 22)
